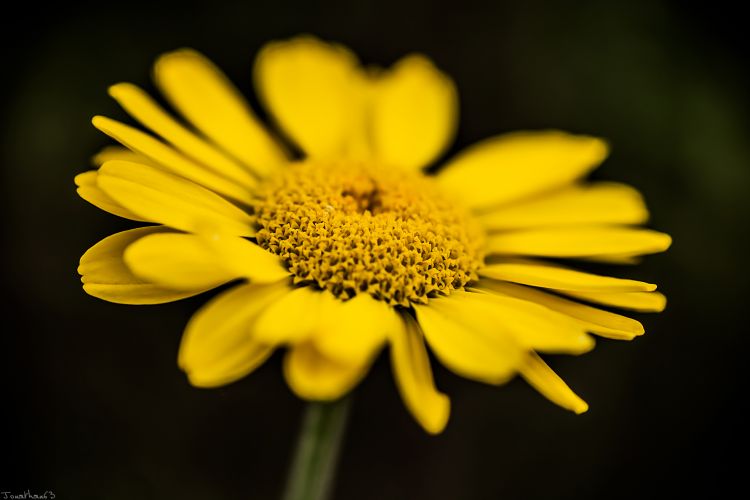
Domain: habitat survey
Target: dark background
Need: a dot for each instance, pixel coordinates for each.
(93, 403)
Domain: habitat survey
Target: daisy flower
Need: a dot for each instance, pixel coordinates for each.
(338, 244)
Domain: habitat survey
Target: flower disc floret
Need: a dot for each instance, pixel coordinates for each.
(356, 228)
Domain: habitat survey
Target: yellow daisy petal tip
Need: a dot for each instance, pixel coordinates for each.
(303, 39)
(195, 380)
(202, 381)
(587, 344)
(626, 337)
(182, 52)
(421, 65)
(118, 88)
(596, 149)
(603, 146)
(307, 41)
(100, 122)
(640, 330)
(599, 148)
(667, 242)
(310, 390)
(662, 303)
(416, 59)
(437, 420)
(314, 376)
(661, 242)
(123, 90)
(85, 179)
(581, 408)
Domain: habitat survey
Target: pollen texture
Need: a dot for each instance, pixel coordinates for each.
(355, 228)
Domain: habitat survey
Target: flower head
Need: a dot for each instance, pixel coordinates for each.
(349, 247)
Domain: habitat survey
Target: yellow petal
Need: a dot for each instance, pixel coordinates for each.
(414, 113)
(144, 109)
(533, 326)
(178, 261)
(186, 261)
(89, 191)
(206, 97)
(543, 379)
(578, 242)
(514, 166)
(217, 347)
(311, 375)
(354, 330)
(600, 203)
(293, 318)
(171, 160)
(315, 91)
(105, 275)
(171, 200)
(411, 369)
(246, 259)
(477, 351)
(109, 153)
(602, 323)
(546, 275)
(637, 301)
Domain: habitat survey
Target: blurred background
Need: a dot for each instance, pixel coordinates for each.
(94, 406)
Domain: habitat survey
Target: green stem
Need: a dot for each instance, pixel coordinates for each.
(318, 445)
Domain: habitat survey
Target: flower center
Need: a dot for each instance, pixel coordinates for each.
(353, 228)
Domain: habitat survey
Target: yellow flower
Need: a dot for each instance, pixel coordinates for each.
(349, 246)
